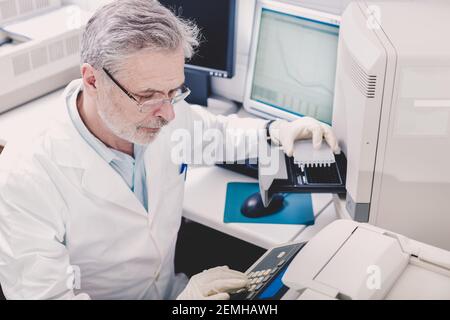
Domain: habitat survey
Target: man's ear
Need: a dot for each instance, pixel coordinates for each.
(88, 74)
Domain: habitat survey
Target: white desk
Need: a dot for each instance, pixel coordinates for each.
(204, 202)
(205, 187)
(31, 118)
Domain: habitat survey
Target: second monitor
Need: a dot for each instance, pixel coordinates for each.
(216, 54)
(293, 62)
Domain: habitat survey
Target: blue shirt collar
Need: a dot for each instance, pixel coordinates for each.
(108, 154)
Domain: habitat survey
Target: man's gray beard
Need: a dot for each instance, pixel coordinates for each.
(108, 120)
(129, 135)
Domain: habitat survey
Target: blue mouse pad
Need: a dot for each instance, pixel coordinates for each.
(297, 206)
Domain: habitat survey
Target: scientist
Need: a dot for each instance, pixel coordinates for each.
(91, 210)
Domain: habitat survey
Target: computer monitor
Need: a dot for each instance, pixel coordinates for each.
(216, 55)
(292, 62)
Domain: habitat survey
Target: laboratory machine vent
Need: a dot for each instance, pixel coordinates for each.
(365, 82)
(14, 9)
(39, 57)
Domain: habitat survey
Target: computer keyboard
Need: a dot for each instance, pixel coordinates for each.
(249, 168)
(265, 277)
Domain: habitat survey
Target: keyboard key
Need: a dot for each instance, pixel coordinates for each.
(281, 263)
(250, 295)
(252, 288)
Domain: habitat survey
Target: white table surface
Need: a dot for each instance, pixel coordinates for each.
(204, 202)
(31, 118)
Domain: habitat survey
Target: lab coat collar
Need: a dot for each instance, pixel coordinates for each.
(100, 179)
(69, 149)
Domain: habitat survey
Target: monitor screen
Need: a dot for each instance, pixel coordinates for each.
(216, 20)
(295, 65)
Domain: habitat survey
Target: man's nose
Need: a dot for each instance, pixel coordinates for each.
(166, 112)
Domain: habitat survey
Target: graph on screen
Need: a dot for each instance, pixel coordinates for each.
(295, 65)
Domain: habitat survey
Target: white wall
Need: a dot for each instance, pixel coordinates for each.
(234, 88)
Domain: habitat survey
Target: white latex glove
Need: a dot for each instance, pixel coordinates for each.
(286, 133)
(213, 284)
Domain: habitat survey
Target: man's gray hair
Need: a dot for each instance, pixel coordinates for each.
(124, 27)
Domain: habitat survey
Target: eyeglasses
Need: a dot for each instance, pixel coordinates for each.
(145, 105)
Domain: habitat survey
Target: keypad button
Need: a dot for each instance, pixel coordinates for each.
(258, 286)
(281, 263)
(267, 272)
(267, 278)
(273, 270)
(250, 295)
(281, 255)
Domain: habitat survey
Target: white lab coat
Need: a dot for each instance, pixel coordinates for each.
(65, 214)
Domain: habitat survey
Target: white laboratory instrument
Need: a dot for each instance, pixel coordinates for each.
(389, 102)
(392, 116)
(348, 260)
(40, 50)
(13, 10)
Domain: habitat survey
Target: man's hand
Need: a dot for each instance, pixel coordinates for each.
(286, 133)
(213, 284)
